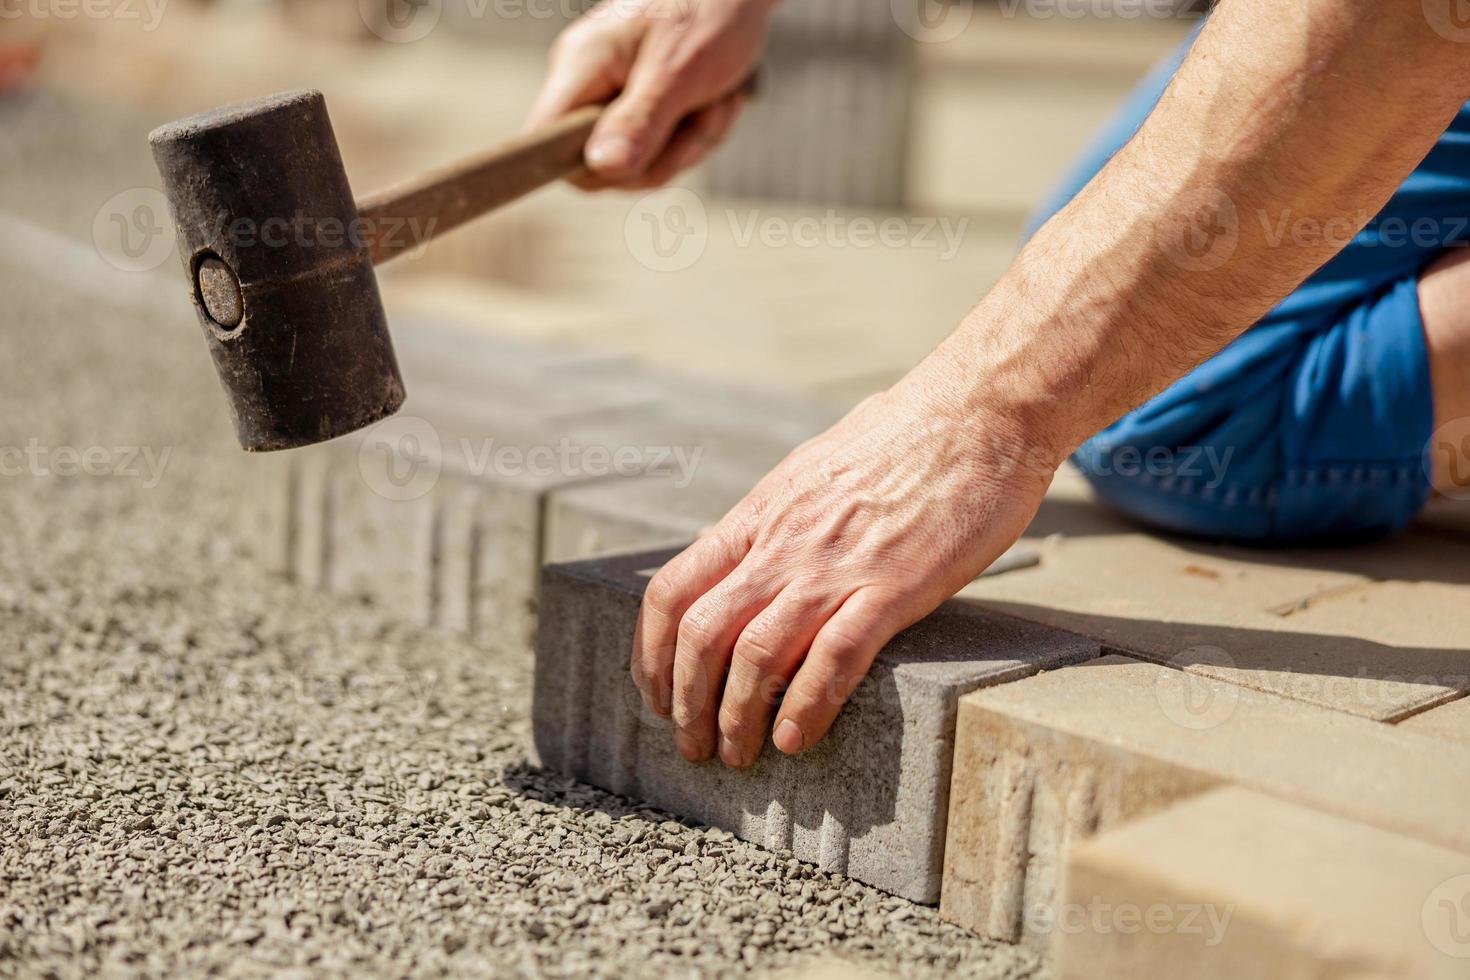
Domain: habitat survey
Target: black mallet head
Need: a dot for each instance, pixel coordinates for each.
(280, 274)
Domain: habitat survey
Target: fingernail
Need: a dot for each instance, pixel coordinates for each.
(610, 153)
(686, 745)
(788, 737)
(730, 753)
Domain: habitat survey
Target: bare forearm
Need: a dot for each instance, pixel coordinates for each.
(1314, 110)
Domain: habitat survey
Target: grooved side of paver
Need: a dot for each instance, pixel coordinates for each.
(463, 553)
(508, 427)
(1052, 759)
(870, 801)
(1234, 883)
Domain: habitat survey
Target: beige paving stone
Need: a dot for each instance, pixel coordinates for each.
(1233, 883)
(1376, 630)
(1050, 760)
(1450, 721)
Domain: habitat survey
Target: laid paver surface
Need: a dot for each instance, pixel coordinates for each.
(1376, 630)
(1047, 761)
(206, 768)
(1449, 721)
(1233, 883)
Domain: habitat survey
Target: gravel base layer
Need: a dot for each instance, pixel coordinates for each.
(207, 769)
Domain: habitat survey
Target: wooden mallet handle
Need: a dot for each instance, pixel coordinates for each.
(408, 214)
(405, 215)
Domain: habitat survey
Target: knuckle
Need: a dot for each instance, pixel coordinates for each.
(689, 705)
(759, 648)
(844, 663)
(737, 725)
(565, 45)
(808, 704)
(682, 70)
(697, 629)
(733, 533)
(841, 647)
(663, 593)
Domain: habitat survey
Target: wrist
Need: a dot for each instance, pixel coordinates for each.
(1006, 374)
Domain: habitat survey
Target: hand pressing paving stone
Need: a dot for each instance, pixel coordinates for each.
(823, 562)
(1213, 203)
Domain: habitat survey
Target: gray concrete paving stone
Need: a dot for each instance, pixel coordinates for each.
(870, 801)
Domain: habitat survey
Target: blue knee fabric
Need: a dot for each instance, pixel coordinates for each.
(1311, 424)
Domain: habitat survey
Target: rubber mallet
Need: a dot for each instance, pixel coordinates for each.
(280, 258)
